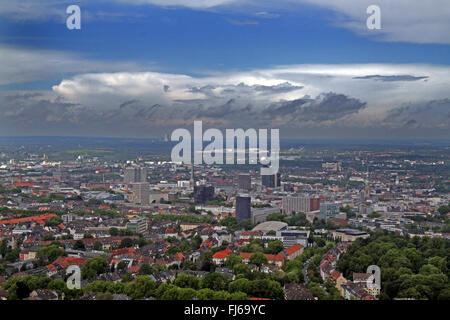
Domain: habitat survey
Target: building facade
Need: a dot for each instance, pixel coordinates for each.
(138, 225)
(244, 182)
(135, 175)
(328, 211)
(203, 193)
(295, 205)
(243, 207)
(141, 194)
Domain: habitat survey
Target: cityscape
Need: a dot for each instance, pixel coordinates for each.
(148, 228)
(238, 152)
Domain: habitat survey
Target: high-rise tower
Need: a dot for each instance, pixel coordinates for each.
(192, 181)
(366, 183)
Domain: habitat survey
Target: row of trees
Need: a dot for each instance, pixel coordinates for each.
(257, 245)
(213, 286)
(233, 225)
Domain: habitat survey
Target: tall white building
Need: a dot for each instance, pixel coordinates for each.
(135, 175)
(141, 193)
(295, 204)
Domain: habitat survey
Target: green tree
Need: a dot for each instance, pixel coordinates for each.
(78, 245)
(205, 294)
(274, 247)
(258, 259)
(239, 296)
(184, 280)
(444, 209)
(186, 294)
(241, 269)
(231, 260)
(49, 254)
(98, 245)
(122, 265)
(126, 243)
(266, 289)
(239, 285)
(144, 287)
(114, 232)
(215, 281)
(127, 278)
(94, 267)
(145, 269)
(276, 216)
(104, 296)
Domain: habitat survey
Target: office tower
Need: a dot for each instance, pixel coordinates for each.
(244, 182)
(141, 193)
(138, 225)
(314, 204)
(135, 175)
(58, 174)
(366, 184)
(192, 180)
(243, 207)
(295, 204)
(203, 193)
(271, 180)
(328, 211)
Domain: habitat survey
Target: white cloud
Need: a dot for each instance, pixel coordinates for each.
(370, 100)
(407, 84)
(195, 4)
(402, 20)
(19, 65)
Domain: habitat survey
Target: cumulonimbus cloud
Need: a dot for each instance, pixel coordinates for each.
(300, 97)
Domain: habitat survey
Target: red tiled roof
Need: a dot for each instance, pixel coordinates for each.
(275, 257)
(67, 261)
(208, 243)
(39, 219)
(335, 274)
(180, 256)
(129, 251)
(245, 255)
(293, 249)
(270, 257)
(133, 269)
(222, 254)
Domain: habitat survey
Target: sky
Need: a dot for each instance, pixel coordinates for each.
(142, 68)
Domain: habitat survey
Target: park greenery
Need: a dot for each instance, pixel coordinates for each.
(417, 267)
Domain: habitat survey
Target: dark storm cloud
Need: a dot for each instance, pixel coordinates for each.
(127, 103)
(326, 107)
(19, 96)
(239, 111)
(392, 78)
(38, 114)
(431, 114)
